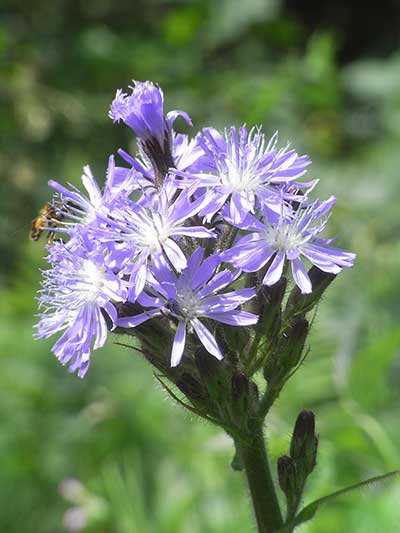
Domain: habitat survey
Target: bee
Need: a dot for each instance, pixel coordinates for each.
(49, 217)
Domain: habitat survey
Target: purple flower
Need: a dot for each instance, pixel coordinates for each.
(245, 172)
(278, 238)
(77, 292)
(142, 110)
(192, 295)
(137, 232)
(81, 209)
(137, 239)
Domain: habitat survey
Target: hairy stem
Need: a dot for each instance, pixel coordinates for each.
(267, 401)
(254, 459)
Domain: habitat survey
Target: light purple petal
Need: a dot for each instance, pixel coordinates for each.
(173, 115)
(136, 320)
(227, 301)
(91, 186)
(198, 232)
(112, 313)
(237, 212)
(137, 280)
(218, 282)
(250, 257)
(274, 273)
(174, 254)
(214, 204)
(204, 272)
(149, 301)
(323, 264)
(195, 259)
(206, 338)
(100, 328)
(234, 318)
(293, 254)
(179, 344)
(301, 277)
(336, 255)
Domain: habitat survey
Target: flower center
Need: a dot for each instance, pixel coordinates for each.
(187, 303)
(240, 179)
(238, 166)
(91, 280)
(282, 237)
(151, 234)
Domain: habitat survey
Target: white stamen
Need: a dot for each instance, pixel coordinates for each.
(91, 280)
(188, 302)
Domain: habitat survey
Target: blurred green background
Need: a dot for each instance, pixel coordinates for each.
(111, 453)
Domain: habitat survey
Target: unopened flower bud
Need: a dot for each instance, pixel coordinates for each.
(240, 386)
(270, 300)
(207, 365)
(304, 444)
(287, 475)
(296, 336)
(240, 393)
(273, 295)
(300, 304)
(214, 375)
(288, 351)
(244, 394)
(233, 341)
(191, 387)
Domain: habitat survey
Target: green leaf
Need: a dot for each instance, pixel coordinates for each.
(308, 512)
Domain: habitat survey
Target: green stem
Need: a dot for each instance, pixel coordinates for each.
(254, 459)
(228, 239)
(269, 397)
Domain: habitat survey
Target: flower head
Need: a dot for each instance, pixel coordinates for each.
(245, 171)
(134, 245)
(142, 110)
(77, 292)
(289, 236)
(79, 209)
(192, 295)
(138, 232)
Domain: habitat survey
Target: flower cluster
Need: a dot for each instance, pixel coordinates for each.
(187, 232)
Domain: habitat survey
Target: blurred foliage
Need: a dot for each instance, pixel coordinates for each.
(109, 454)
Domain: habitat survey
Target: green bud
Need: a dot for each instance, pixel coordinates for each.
(296, 335)
(266, 295)
(215, 376)
(304, 444)
(207, 365)
(240, 386)
(287, 475)
(244, 399)
(270, 300)
(304, 427)
(273, 296)
(191, 388)
(232, 341)
(288, 351)
(236, 463)
(300, 304)
(240, 394)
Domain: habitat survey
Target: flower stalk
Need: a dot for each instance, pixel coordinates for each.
(265, 503)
